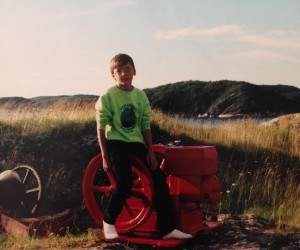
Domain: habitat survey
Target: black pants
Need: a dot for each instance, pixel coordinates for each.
(120, 153)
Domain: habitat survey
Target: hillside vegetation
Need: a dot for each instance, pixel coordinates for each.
(45, 101)
(225, 98)
(193, 98)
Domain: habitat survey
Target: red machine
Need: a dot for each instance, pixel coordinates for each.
(191, 178)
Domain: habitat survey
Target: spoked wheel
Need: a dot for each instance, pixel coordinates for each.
(97, 186)
(33, 190)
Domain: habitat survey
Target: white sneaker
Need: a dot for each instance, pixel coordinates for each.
(109, 231)
(176, 234)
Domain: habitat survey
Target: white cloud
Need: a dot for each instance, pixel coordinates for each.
(194, 33)
(236, 33)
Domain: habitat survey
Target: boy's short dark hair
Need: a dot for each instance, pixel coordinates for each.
(119, 61)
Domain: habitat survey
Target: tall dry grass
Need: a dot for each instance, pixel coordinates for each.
(262, 173)
(244, 134)
(29, 120)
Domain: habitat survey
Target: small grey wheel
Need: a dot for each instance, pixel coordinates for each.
(33, 189)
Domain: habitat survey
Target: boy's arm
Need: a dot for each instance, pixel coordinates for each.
(151, 159)
(103, 116)
(103, 147)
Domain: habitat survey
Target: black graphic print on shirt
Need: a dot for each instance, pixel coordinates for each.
(128, 117)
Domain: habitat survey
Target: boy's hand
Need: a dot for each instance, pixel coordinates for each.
(151, 160)
(106, 164)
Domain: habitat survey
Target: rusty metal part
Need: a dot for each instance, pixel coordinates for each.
(40, 226)
(49, 224)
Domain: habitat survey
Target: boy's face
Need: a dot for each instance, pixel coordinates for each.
(124, 75)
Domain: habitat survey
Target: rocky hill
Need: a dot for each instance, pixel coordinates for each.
(197, 98)
(225, 98)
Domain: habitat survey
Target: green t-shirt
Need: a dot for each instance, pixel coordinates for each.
(123, 115)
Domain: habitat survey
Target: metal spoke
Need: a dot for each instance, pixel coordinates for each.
(37, 189)
(26, 174)
(102, 189)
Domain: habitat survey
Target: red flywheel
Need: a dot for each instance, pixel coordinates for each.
(97, 186)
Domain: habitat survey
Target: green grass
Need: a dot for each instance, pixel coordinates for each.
(69, 241)
(259, 166)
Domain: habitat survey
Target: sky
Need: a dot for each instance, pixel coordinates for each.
(64, 47)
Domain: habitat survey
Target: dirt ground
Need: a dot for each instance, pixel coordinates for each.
(237, 232)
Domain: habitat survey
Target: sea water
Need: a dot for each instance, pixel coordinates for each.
(220, 120)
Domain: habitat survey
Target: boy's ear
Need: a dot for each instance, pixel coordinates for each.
(113, 76)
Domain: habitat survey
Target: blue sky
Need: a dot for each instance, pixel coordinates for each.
(63, 47)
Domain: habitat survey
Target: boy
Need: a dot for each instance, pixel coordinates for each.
(123, 128)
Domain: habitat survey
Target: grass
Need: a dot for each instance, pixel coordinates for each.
(58, 118)
(69, 241)
(243, 134)
(258, 165)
